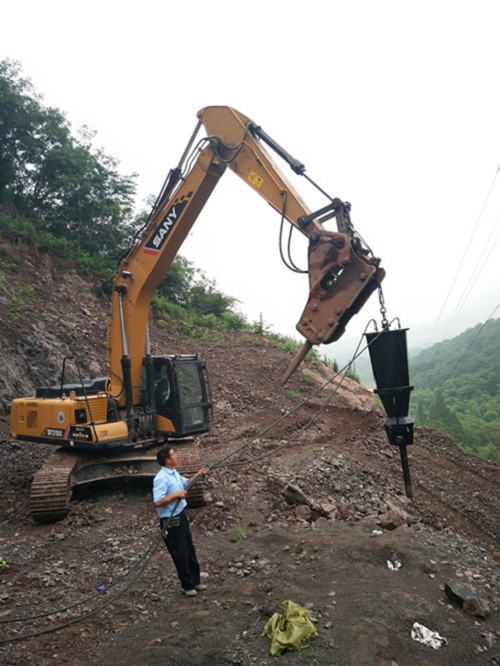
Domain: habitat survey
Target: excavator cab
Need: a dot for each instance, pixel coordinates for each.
(181, 393)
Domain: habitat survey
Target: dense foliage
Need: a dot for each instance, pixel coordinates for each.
(60, 183)
(67, 198)
(457, 389)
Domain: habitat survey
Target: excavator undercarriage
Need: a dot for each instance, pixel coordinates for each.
(67, 469)
(94, 440)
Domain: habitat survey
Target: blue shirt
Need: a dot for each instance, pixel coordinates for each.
(166, 482)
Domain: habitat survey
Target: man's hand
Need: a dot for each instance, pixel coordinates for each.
(199, 474)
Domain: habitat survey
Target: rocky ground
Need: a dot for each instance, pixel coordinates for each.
(321, 520)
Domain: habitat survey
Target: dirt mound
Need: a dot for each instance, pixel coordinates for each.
(316, 514)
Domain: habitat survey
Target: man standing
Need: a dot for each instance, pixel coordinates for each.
(169, 497)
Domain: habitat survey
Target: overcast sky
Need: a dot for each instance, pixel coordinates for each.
(393, 106)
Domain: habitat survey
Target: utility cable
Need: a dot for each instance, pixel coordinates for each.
(291, 439)
(84, 601)
(460, 263)
(80, 617)
(144, 560)
(470, 345)
(343, 372)
(478, 269)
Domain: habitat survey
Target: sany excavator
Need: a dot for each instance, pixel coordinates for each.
(105, 427)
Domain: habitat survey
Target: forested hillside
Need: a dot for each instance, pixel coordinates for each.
(457, 389)
(60, 194)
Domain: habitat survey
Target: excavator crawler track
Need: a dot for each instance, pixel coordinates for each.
(51, 487)
(188, 464)
(65, 469)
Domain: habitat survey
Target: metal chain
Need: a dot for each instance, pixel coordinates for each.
(383, 310)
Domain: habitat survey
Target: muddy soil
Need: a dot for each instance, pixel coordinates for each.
(257, 550)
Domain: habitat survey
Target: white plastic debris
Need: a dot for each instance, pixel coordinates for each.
(376, 533)
(394, 566)
(423, 635)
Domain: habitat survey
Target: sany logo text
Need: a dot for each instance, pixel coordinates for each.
(172, 215)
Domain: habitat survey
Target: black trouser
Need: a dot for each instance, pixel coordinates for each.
(180, 546)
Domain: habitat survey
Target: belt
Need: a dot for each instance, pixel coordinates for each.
(172, 521)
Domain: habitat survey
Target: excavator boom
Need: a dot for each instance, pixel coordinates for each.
(342, 274)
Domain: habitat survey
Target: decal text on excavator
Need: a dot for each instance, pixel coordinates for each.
(155, 243)
(53, 432)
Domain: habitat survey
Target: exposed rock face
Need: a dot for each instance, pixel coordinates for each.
(350, 393)
(47, 312)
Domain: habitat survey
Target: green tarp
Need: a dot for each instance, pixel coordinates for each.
(292, 630)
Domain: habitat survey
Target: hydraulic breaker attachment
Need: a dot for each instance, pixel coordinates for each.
(340, 282)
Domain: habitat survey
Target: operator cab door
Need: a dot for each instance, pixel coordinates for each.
(182, 395)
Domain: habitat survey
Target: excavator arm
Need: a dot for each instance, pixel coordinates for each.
(342, 272)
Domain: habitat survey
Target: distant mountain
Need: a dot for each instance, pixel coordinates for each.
(457, 388)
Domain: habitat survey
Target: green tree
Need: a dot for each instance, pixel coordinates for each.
(465, 370)
(205, 298)
(185, 286)
(420, 418)
(56, 180)
(177, 282)
(491, 452)
(442, 418)
(260, 327)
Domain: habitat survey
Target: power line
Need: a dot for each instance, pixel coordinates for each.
(462, 260)
(477, 272)
(470, 345)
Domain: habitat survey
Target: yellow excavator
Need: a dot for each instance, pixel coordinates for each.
(106, 427)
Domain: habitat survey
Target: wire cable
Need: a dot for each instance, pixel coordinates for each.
(470, 345)
(342, 372)
(144, 560)
(291, 439)
(460, 263)
(478, 269)
(84, 601)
